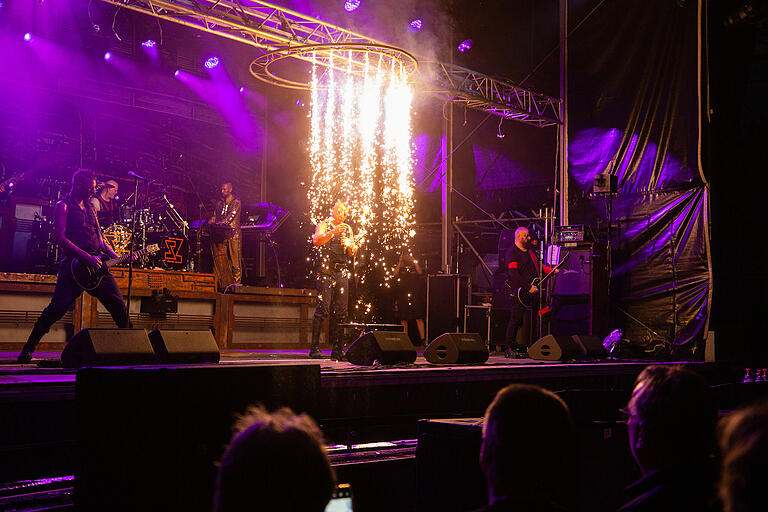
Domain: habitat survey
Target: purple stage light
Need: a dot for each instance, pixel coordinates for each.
(242, 90)
(351, 5)
(415, 26)
(211, 63)
(465, 45)
(27, 37)
(108, 56)
(149, 43)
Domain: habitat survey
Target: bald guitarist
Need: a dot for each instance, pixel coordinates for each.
(522, 269)
(76, 230)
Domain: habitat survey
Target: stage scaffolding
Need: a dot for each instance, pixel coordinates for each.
(284, 33)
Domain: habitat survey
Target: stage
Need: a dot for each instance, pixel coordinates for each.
(63, 419)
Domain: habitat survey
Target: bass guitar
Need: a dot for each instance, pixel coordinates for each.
(527, 298)
(89, 278)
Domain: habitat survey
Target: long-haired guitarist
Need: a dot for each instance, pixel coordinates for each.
(77, 231)
(522, 269)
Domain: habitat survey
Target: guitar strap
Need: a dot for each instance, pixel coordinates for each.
(535, 261)
(96, 218)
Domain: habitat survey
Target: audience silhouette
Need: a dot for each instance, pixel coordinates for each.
(526, 451)
(743, 440)
(275, 461)
(671, 427)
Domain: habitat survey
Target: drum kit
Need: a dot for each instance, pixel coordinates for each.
(158, 222)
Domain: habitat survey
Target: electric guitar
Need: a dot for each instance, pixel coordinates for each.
(527, 298)
(89, 278)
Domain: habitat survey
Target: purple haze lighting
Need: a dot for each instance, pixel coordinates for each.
(211, 63)
(108, 56)
(177, 73)
(242, 90)
(415, 26)
(149, 43)
(27, 37)
(465, 45)
(351, 5)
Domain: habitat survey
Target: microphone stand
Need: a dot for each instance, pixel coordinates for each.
(136, 179)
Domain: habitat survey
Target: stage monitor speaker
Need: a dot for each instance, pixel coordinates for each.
(457, 348)
(561, 348)
(384, 347)
(107, 347)
(179, 347)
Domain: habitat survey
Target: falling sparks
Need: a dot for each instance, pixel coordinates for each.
(360, 152)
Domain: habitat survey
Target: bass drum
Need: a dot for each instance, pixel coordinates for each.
(174, 251)
(119, 237)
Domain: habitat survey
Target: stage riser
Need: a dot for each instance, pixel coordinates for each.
(284, 324)
(18, 312)
(191, 314)
(261, 318)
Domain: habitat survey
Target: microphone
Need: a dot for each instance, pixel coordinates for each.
(142, 178)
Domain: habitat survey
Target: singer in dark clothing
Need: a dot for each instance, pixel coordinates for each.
(522, 269)
(334, 242)
(77, 232)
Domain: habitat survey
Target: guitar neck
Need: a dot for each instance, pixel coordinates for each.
(552, 272)
(124, 258)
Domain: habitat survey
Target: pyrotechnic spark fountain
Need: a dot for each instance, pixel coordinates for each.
(360, 152)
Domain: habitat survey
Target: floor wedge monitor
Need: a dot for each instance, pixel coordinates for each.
(457, 348)
(562, 348)
(179, 347)
(108, 347)
(384, 347)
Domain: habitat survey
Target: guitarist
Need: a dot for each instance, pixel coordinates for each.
(77, 231)
(334, 241)
(522, 269)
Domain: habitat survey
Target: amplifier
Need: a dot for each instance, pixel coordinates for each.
(569, 234)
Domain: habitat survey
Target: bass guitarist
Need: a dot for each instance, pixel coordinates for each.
(76, 230)
(522, 269)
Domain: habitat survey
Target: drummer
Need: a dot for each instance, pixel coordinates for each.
(105, 203)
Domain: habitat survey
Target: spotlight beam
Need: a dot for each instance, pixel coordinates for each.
(277, 30)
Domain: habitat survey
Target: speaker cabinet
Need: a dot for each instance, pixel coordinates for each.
(179, 347)
(447, 294)
(386, 348)
(108, 347)
(579, 293)
(561, 348)
(457, 348)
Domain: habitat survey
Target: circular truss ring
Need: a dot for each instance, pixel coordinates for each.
(343, 57)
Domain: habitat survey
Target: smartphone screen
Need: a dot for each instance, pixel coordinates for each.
(341, 501)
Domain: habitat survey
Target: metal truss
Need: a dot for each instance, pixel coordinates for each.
(277, 30)
(488, 94)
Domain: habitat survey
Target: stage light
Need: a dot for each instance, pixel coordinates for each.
(27, 37)
(465, 45)
(149, 43)
(177, 73)
(242, 90)
(108, 56)
(351, 5)
(415, 26)
(211, 63)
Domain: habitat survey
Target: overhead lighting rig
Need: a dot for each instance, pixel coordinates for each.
(284, 33)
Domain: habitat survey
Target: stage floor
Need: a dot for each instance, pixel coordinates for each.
(45, 368)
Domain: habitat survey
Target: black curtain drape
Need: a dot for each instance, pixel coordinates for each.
(634, 114)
